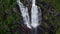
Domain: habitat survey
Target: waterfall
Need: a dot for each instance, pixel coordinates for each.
(24, 11)
(35, 16)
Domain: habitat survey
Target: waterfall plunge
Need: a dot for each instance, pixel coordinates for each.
(34, 14)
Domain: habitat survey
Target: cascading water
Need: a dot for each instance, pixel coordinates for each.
(24, 11)
(35, 16)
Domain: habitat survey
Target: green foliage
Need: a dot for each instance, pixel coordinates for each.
(56, 3)
(7, 6)
(12, 17)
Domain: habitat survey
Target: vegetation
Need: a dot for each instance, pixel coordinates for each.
(10, 16)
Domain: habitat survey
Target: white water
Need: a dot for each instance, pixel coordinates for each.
(24, 11)
(34, 14)
(34, 17)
